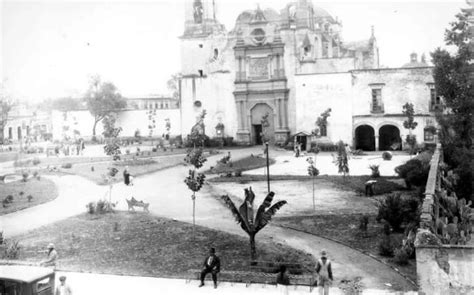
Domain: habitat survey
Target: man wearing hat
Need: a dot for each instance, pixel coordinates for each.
(324, 271)
(63, 288)
(212, 265)
(52, 256)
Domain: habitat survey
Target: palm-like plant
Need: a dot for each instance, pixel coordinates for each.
(245, 215)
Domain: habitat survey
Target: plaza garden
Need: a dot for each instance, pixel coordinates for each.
(105, 238)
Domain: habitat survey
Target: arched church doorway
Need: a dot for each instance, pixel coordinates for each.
(389, 138)
(262, 130)
(365, 138)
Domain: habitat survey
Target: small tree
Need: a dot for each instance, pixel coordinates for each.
(102, 99)
(342, 160)
(245, 215)
(111, 133)
(410, 124)
(198, 132)
(151, 123)
(5, 108)
(313, 172)
(195, 180)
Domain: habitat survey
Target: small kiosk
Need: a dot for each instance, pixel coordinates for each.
(303, 138)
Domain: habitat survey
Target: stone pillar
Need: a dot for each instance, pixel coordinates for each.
(279, 112)
(376, 142)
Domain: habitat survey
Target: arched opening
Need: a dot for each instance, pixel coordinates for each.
(262, 131)
(389, 138)
(365, 138)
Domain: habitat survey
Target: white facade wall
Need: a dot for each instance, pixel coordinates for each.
(129, 120)
(315, 94)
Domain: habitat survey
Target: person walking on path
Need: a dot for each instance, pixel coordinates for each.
(324, 271)
(283, 280)
(127, 178)
(212, 264)
(63, 288)
(52, 257)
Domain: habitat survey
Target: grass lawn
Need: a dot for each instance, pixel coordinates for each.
(43, 190)
(345, 229)
(352, 183)
(136, 168)
(140, 244)
(244, 164)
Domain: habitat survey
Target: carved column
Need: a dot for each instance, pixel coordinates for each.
(279, 112)
(376, 142)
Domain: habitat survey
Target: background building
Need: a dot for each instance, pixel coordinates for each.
(293, 65)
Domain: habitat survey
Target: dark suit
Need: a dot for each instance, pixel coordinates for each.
(214, 267)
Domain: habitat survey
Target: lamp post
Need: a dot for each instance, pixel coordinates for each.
(268, 168)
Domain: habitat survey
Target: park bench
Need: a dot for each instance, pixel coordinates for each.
(262, 272)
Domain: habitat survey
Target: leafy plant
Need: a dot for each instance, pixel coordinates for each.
(90, 207)
(322, 123)
(9, 198)
(401, 256)
(386, 247)
(12, 249)
(30, 198)
(387, 156)
(375, 171)
(414, 172)
(396, 210)
(245, 215)
(36, 161)
(25, 176)
(363, 223)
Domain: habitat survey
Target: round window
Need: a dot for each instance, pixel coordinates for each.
(258, 35)
(197, 103)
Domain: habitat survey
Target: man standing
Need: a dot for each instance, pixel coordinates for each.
(63, 288)
(52, 257)
(324, 271)
(212, 265)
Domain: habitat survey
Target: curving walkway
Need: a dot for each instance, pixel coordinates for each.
(169, 197)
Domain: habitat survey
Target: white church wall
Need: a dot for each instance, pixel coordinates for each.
(317, 93)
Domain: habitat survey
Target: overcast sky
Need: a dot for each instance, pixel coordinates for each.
(50, 48)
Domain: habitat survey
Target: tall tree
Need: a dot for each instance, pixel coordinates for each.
(342, 161)
(173, 86)
(5, 108)
(245, 215)
(410, 124)
(103, 99)
(455, 84)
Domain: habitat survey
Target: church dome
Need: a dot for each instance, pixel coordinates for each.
(248, 16)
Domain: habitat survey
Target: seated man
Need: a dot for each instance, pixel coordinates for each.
(212, 265)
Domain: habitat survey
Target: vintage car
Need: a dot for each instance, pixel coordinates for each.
(26, 280)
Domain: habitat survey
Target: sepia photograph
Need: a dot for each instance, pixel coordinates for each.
(236, 147)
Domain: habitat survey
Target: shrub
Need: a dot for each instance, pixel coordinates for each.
(90, 208)
(103, 206)
(30, 198)
(127, 151)
(238, 173)
(36, 161)
(5, 203)
(154, 150)
(387, 156)
(401, 256)
(9, 198)
(414, 172)
(12, 249)
(364, 222)
(375, 171)
(36, 175)
(391, 210)
(24, 176)
(396, 210)
(327, 146)
(386, 247)
(66, 166)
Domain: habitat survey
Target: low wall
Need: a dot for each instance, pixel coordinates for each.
(445, 269)
(441, 269)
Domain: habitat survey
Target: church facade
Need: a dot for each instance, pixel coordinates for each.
(289, 67)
